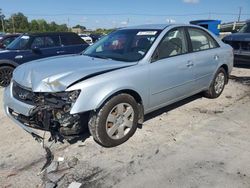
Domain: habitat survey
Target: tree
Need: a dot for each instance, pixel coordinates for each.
(62, 27)
(19, 22)
(43, 25)
(103, 31)
(2, 26)
(53, 26)
(34, 26)
(80, 27)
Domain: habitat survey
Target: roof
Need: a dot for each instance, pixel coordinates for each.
(50, 33)
(149, 26)
(11, 35)
(204, 21)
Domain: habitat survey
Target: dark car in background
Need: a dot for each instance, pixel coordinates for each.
(28, 47)
(240, 42)
(5, 40)
(95, 37)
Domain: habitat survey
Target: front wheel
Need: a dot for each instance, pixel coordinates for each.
(115, 122)
(217, 85)
(5, 75)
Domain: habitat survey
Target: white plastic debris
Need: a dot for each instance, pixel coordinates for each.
(75, 185)
(60, 159)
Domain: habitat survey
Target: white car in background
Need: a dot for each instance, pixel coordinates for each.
(86, 38)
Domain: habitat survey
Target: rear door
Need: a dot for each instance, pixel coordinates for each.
(206, 56)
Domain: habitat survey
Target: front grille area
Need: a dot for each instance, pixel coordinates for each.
(22, 94)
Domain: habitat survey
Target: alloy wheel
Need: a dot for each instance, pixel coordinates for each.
(5, 76)
(120, 121)
(219, 83)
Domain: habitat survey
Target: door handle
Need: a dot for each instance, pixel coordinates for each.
(216, 57)
(190, 64)
(60, 52)
(19, 57)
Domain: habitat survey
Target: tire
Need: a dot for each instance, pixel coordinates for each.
(115, 122)
(5, 75)
(217, 85)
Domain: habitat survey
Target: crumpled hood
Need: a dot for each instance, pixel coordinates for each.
(57, 73)
(238, 37)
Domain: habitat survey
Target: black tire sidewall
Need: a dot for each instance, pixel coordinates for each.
(104, 112)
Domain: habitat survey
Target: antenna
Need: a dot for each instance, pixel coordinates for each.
(240, 8)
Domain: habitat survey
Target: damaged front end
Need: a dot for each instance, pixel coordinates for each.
(51, 112)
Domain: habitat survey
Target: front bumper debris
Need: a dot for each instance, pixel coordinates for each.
(44, 111)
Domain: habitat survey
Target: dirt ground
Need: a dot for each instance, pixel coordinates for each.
(197, 142)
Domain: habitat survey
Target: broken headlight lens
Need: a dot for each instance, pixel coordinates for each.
(73, 95)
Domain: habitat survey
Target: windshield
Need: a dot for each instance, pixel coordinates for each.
(245, 28)
(19, 43)
(123, 45)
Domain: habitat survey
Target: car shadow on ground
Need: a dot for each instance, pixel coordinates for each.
(245, 80)
(171, 107)
(244, 66)
(81, 137)
(147, 117)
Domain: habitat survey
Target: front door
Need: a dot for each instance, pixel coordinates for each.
(171, 72)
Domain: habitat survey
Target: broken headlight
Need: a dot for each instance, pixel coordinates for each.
(59, 99)
(71, 96)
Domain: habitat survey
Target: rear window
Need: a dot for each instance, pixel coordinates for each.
(45, 41)
(201, 40)
(71, 39)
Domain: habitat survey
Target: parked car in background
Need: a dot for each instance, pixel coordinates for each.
(116, 81)
(86, 38)
(240, 42)
(28, 47)
(95, 37)
(5, 40)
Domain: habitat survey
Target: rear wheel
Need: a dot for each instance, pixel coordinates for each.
(5, 75)
(115, 122)
(217, 85)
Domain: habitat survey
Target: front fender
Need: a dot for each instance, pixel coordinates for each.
(95, 100)
(95, 91)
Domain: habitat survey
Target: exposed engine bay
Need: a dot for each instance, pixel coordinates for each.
(51, 112)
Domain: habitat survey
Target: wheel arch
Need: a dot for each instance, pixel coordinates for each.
(6, 62)
(225, 67)
(132, 93)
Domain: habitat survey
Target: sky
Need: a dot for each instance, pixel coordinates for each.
(119, 13)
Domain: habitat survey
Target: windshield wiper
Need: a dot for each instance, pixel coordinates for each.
(97, 56)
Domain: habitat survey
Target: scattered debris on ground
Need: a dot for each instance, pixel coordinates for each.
(197, 143)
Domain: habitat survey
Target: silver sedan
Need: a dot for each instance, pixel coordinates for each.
(111, 86)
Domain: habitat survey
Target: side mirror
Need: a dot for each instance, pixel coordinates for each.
(36, 50)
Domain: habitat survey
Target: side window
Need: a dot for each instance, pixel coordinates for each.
(51, 41)
(174, 43)
(201, 40)
(7, 41)
(71, 39)
(38, 42)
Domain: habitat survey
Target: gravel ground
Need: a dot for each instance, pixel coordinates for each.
(197, 142)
